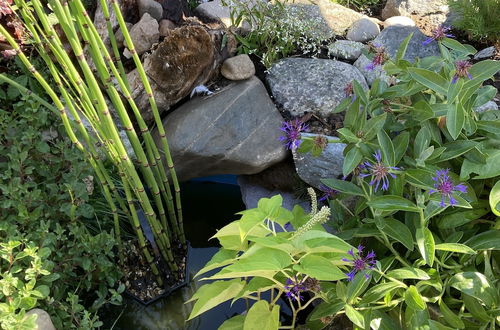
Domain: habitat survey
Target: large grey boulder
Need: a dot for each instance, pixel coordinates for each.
(392, 37)
(346, 49)
(43, 321)
(234, 131)
(311, 85)
(214, 10)
(399, 20)
(434, 11)
(327, 165)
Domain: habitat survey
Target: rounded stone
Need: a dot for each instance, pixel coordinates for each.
(363, 30)
(346, 49)
(166, 26)
(43, 321)
(151, 7)
(238, 67)
(399, 20)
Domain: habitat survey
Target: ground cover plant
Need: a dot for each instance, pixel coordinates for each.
(57, 250)
(416, 214)
(478, 18)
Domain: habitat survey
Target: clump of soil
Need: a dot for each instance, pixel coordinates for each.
(140, 281)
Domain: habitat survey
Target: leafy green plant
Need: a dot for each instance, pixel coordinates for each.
(277, 29)
(478, 18)
(49, 205)
(79, 98)
(427, 238)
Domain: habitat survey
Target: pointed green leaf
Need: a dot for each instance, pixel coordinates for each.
(430, 80)
(343, 186)
(234, 323)
(262, 317)
(392, 203)
(495, 199)
(413, 299)
(398, 231)
(379, 291)
(319, 268)
(455, 119)
(210, 295)
(476, 285)
(409, 273)
(455, 247)
(351, 160)
(355, 316)
(425, 243)
(387, 148)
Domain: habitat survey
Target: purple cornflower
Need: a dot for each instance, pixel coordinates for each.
(360, 263)
(438, 34)
(445, 187)
(462, 70)
(294, 287)
(378, 171)
(378, 59)
(292, 130)
(327, 193)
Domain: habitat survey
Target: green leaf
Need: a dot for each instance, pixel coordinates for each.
(261, 317)
(351, 160)
(343, 186)
(374, 125)
(495, 199)
(455, 149)
(357, 286)
(256, 284)
(425, 243)
(455, 119)
(476, 285)
(392, 203)
(378, 291)
(454, 90)
(488, 240)
(422, 141)
(210, 295)
(400, 54)
(450, 317)
(430, 80)
(456, 45)
(382, 321)
(387, 148)
(234, 323)
(348, 135)
(475, 308)
(401, 145)
(455, 247)
(355, 316)
(398, 231)
(484, 70)
(326, 309)
(319, 268)
(408, 273)
(484, 171)
(457, 219)
(413, 299)
(221, 258)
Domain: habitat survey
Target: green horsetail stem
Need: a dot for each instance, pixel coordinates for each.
(156, 114)
(85, 96)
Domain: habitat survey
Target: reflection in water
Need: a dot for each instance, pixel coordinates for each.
(208, 206)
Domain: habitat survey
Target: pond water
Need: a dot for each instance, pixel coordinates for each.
(208, 204)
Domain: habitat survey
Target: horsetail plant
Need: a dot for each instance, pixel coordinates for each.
(81, 95)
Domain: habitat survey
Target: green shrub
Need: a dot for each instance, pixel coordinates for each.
(416, 216)
(365, 6)
(50, 216)
(479, 18)
(278, 29)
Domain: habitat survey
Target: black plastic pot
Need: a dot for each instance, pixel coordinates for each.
(171, 289)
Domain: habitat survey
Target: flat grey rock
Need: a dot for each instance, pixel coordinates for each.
(346, 49)
(311, 85)
(363, 30)
(326, 166)
(251, 193)
(234, 131)
(370, 75)
(488, 106)
(392, 37)
(485, 53)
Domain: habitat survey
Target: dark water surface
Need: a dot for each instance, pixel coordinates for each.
(208, 204)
